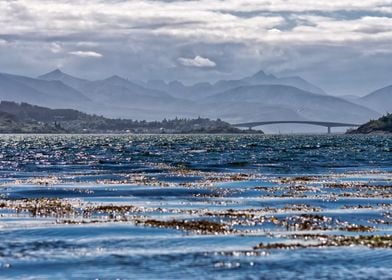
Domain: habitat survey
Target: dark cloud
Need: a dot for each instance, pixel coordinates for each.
(344, 46)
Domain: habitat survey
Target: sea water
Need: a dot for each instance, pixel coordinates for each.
(194, 207)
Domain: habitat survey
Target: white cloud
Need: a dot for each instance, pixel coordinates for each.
(210, 21)
(198, 61)
(86, 54)
(55, 47)
(87, 44)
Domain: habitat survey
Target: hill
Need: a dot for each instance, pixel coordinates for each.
(18, 118)
(382, 125)
(11, 124)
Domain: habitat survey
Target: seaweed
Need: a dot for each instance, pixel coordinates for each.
(198, 226)
(371, 241)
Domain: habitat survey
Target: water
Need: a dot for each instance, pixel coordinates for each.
(195, 207)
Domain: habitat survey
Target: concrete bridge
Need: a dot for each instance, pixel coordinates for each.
(329, 125)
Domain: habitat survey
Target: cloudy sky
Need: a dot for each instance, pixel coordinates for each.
(344, 46)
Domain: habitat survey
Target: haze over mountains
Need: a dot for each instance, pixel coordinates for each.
(51, 92)
(200, 90)
(256, 98)
(379, 100)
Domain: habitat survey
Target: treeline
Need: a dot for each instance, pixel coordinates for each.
(74, 121)
(382, 125)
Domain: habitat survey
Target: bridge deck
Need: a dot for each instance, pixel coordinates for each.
(319, 123)
(329, 125)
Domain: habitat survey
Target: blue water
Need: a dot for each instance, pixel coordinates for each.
(345, 179)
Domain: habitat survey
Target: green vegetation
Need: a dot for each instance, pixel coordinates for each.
(26, 118)
(382, 125)
(10, 124)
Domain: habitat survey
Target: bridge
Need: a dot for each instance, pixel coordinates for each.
(329, 125)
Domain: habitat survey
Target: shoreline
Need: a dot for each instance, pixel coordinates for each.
(195, 134)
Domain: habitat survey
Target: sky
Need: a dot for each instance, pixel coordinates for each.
(343, 46)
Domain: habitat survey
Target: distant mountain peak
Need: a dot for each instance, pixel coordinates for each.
(262, 75)
(56, 71)
(53, 75)
(262, 78)
(116, 78)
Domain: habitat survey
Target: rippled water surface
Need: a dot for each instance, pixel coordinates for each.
(196, 207)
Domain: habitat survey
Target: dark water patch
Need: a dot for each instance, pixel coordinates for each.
(336, 264)
(152, 193)
(178, 179)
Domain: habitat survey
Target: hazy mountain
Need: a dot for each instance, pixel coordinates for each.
(116, 91)
(305, 104)
(379, 100)
(119, 87)
(16, 91)
(261, 78)
(114, 97)
(179, 90)
(350, 98)
(202, 90)
(58, 75)
(35, 91)
(90, 87)
(233, 100)
(238, 112)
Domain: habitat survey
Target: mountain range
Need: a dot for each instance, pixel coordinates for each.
(202, 90)
(258, 97)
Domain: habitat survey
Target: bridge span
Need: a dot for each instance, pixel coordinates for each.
(329, 125)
